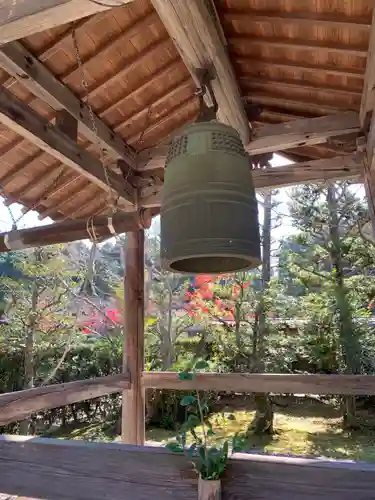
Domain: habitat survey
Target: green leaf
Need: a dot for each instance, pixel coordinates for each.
(201, 365)
(174, 447)
(188, 400)
(185, 376)
(193, 420)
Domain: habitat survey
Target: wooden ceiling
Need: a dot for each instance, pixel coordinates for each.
(292, 59)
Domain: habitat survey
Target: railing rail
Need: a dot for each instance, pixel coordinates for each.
(18, 405)
(67, 470)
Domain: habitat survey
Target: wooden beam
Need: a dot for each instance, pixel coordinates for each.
(277, 137)
(33, 75)
(29, 124)
(196, 31)
(302, 19)
(67, 124)
(19, 19)
(265, 382)
(314, 171)
(367, 119)
(133, 401)
(73, 230)
(76, 470)
(294, 43)
(368, 94)
(340, 167)
(15, 406)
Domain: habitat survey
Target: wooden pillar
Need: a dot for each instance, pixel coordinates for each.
(133, 403)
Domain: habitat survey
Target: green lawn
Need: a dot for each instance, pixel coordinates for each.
(299, 430)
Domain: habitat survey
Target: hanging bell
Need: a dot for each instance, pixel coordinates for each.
(209, 213)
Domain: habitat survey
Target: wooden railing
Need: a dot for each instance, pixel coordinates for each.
(260, 382)
(67, 470)
(16, 406)
(55, 469)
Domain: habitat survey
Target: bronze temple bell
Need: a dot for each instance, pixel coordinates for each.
(209, 213)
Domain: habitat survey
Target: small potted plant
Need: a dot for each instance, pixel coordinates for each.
(209, 461)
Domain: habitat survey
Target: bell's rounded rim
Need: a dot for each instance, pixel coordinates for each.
(241, 262)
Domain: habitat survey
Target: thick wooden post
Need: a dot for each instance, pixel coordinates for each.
(133, 404)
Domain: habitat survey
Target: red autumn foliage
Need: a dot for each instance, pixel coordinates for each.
(97, 321)
(202, 296)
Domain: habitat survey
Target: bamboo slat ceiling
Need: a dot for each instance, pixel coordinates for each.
(293, 58)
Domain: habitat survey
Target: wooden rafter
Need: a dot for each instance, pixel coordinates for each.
(29, 124)
(281, 64)
(49, 177)
(257, 82)
(293, 103)
(23, 18)
(147, 82)
(293, 43)
(196, 31)
(340, 167)
(27, 69)
(168, 94)
(308, 19)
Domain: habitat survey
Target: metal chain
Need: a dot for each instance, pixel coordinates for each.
(112, 201)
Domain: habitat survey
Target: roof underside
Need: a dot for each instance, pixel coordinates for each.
(293, 58)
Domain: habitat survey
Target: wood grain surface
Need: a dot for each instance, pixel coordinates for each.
(67, 470)
(264, 382)
(18, 405)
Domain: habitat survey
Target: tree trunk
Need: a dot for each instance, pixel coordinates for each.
(29, 353)
(349, 344)
(263, 419)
